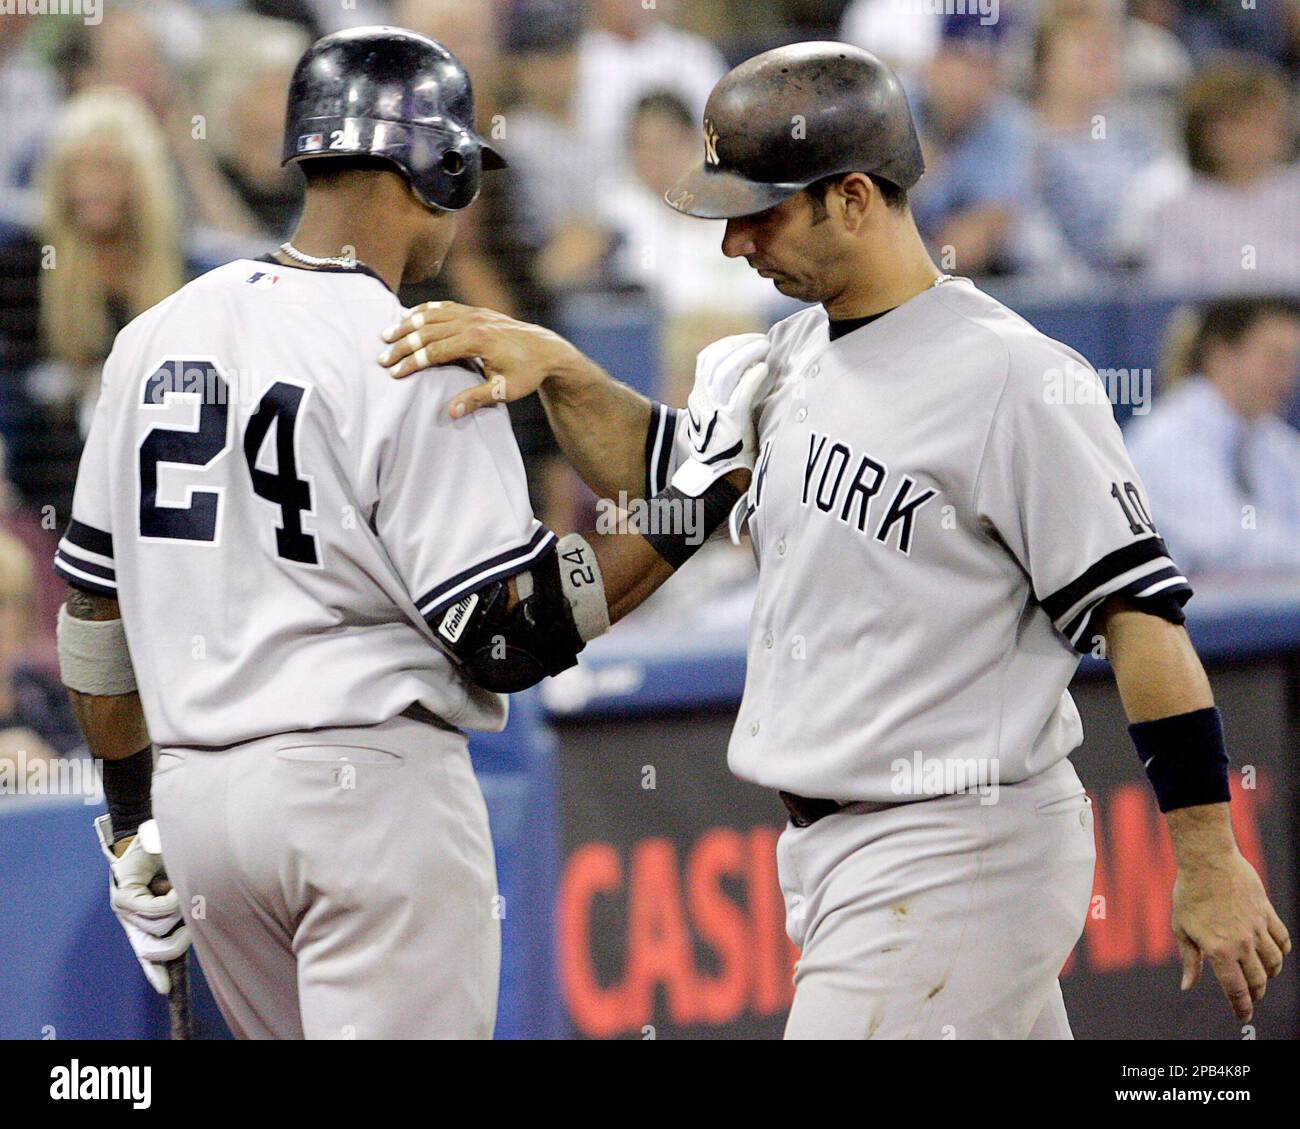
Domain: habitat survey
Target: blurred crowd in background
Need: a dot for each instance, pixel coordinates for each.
(1073, 146)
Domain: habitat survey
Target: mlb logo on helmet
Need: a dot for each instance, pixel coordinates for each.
(311, 142)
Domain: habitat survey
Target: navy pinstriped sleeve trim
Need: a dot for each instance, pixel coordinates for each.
(501, 566)
(659, 439)
(1143, 571)
(85, 559)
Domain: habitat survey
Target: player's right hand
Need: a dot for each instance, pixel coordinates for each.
(152, 921)
(517, 357)
(731, 376)
(1221, 913)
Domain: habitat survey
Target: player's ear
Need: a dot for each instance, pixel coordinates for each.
(857, 195)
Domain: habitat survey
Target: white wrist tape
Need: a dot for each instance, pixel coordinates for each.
(583, 585)
(93, 656)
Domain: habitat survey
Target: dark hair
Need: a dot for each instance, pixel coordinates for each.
(668, 104)
(329, 169)
(332, 167)
(895, 197)
(1228, 320)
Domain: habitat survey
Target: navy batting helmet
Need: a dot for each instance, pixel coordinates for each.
(793, 115)
(390, 93)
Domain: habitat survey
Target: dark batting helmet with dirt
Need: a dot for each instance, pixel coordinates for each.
(790, 116)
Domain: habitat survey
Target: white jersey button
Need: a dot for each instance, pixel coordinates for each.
(753, 729)
(814, 370)
(780, 547)
(768, 640)
(801, 414)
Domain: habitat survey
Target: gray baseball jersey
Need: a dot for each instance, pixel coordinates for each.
(941, 503)
(281, 522)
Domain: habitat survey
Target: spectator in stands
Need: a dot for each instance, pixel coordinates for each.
(675, 259)
(540, 39)
(1235, 226)
(35, 716)
(629, 51)
(1151, 67)
(127, 49)
(1087, 148)
(29, 99)
(250, 60)
(1221, 467)
(106, 249)
(977, 141)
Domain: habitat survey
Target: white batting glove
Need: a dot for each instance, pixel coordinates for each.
(730, 376)
(152, 922)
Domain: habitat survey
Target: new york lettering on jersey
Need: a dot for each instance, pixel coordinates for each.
(914, 483)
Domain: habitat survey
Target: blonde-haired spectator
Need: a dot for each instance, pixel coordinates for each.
(106, 247)
(151, 50)
(110, 218)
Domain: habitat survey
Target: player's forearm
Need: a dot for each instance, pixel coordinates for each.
(1160, 676)
(633, 568)
(113, 724)
(601, 427)
(1156, 668)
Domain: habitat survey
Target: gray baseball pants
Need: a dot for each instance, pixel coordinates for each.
(338, 883)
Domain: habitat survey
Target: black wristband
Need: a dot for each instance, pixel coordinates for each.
(677, 546)
(1185, 758)
(128, 788)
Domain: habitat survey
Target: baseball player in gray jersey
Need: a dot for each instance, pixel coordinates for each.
(301, 582)
(940, 534)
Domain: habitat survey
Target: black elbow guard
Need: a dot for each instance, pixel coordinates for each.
(506, 649)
